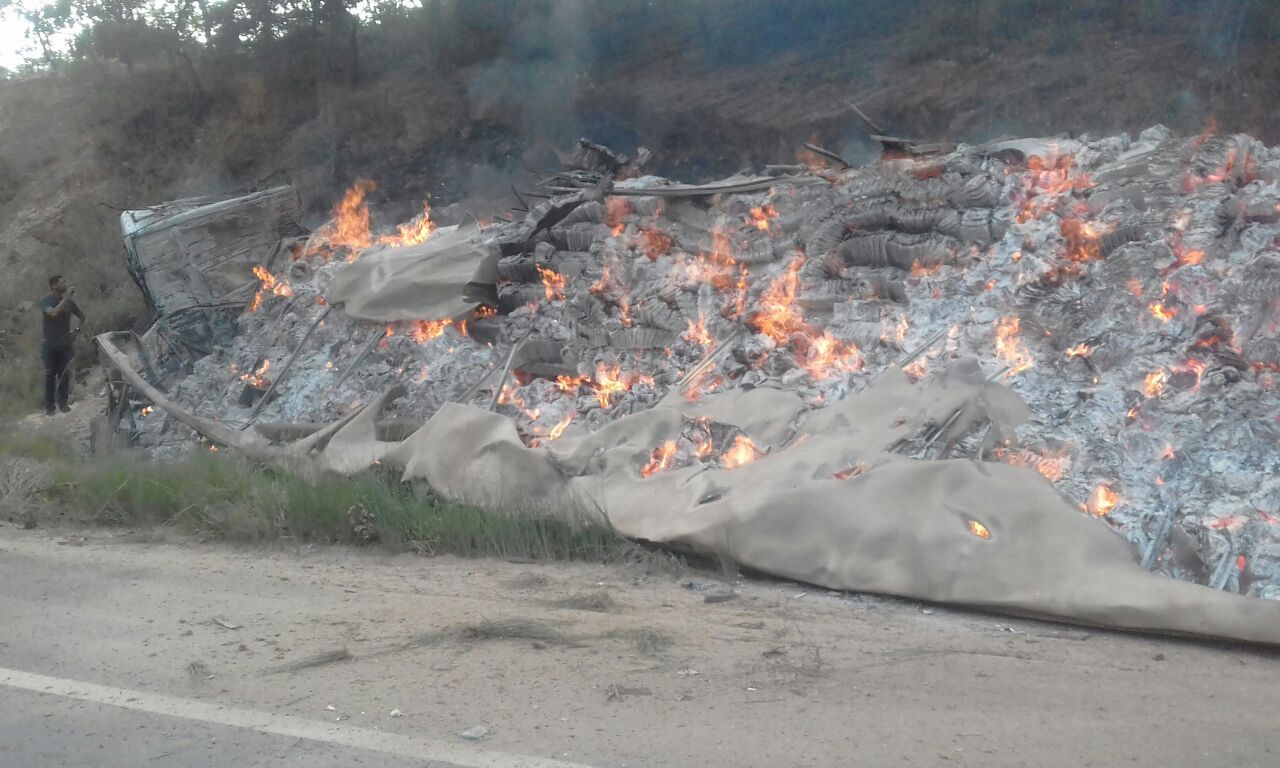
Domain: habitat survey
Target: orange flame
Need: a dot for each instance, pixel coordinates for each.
(778, 316)
(559, 428)
(743, 451)
(414, 232)
(1009, 347)
(608, 382)
(1102, 501)
(570, 383)
(761, 215)
(829, 356)
(1161, 312)
(269, 282)
(1153, 386)
(660, 458)
(350, 225)
(1080, 350)
(426, 330)
(256, 378)
(655, 242)
(697, 332)
(552, 283)
(979, 530)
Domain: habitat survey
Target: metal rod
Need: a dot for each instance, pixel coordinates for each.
(506, 370)
(827, 154)
(364, 352)
(924, 347)
(722, 347)
(1157, 542)
(288, 364)
(863, 116)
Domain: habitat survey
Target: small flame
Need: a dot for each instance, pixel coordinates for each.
(146, 410)
(761, 215)
(829, 356)
(1080, 350)
(743, 451)
(1153, 386)
(269, 282)
(979, 530)
(1167, 452)
(570, 383)
(1161, 312)
(426, 330)
(697, 332)
(414, 232)
(1051, 466)
(256, 379)
(1009, 347)
(779, 316)
(1102, 501)
(552, 283)
(559, 428)
(659, 459)
(608, 382)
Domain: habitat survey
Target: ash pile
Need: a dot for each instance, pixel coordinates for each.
(1127, 290)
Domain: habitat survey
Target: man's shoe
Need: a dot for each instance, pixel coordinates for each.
(65, 408)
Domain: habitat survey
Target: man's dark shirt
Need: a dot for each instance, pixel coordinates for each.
(57, 330)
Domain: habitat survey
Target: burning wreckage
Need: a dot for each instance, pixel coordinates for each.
(1038, 376)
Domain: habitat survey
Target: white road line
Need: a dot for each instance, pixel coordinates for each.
(413, 747)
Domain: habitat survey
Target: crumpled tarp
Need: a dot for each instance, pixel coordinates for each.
(895, 525)
(412, 282)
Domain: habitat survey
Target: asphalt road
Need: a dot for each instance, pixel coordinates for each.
(115, 652)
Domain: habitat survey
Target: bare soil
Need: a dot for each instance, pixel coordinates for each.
(611, 665)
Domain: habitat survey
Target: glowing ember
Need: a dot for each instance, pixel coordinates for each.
(1167, 452)
(917, 369)
(414, 232)
(1134, 286)
(146, 410)
(743, 451)
(1153, 386)
(552, 283)
(1161, 312)
(854, 471)
(1050, 466)
(979, 530)
(660, 459)
(1044, 184)
(1195, 367)
(655, 242)
(760, 217)
(1009, 347)
(1080, 350)
(1102, 501)
(1190, 258)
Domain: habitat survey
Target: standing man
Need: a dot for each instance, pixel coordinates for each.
(57, 309)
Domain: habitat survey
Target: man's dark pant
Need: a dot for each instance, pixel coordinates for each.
(57, 376)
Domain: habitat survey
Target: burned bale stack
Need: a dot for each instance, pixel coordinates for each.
(640, 331)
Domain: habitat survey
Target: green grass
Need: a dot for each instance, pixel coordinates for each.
(216, 496)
